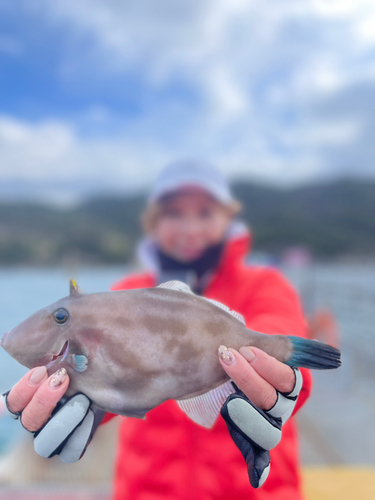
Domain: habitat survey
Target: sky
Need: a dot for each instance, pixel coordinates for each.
(97, 96)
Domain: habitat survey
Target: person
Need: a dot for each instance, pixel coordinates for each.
(192, 236)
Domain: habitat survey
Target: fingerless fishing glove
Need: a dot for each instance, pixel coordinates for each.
(254, 431)
(68, 431)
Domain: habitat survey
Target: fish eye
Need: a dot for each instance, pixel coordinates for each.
(61, 316)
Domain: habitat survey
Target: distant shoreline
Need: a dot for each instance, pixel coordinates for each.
(333, 221)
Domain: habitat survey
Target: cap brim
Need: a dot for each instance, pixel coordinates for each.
(218, 194)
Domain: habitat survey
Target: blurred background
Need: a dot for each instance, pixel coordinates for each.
(96, 97)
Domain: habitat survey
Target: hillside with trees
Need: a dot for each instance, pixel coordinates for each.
(331, 219)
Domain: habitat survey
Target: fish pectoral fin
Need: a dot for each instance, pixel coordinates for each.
(176, 285)
(235, 314)
(79, 362)
(204, 409)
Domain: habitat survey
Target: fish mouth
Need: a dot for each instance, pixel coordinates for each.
(2, 340)
(62, 354)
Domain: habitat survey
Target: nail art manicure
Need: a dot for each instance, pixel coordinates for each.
(226, 355)
(58, 378)
(247, 353)
(38, 375)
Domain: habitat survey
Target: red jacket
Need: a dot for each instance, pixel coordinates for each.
(169, 457)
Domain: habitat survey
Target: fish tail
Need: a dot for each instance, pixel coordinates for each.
(313, 354)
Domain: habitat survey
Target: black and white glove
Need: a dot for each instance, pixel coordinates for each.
(254, 431)
(68, 431)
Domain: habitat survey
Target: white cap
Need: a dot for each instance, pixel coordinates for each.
(192, 173)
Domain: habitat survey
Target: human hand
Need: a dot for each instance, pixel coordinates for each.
(60, 426)
(36, 395)
(266, 395)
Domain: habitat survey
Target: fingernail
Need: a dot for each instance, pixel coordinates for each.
(38, 375)
(58, 378)
(247, 353)
(226, 355)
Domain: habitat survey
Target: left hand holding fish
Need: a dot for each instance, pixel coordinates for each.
(61, 426)
(267, 392)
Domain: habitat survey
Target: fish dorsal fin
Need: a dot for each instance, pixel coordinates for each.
(204, 409)
(183, 287)
(176, 285)
(235, 314)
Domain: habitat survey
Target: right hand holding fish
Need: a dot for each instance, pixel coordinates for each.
(265, 398)
(60, 426)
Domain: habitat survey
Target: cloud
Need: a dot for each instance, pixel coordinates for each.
(280, 91)
(54, 150)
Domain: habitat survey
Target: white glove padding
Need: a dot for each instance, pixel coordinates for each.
(254, 431)
(68, 431)
(285, 403)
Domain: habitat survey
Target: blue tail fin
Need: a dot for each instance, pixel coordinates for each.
(313, 354)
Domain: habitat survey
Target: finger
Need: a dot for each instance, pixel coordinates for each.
(38, 411)
(286, 403)
(257, 459)
(260, 468)
(258, 390)
(78, 442)
(279, 375)
(68, 421)
(24, 390)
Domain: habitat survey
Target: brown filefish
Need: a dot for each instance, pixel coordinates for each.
(129, 351)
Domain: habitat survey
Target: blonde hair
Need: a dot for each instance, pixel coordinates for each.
(154, 210)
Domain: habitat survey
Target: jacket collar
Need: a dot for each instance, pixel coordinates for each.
(236, 249)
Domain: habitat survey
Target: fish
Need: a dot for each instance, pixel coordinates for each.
(129, 351)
